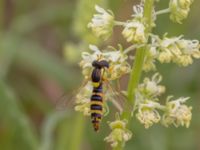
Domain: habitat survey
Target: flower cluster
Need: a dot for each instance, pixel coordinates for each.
(134, 32)
(146, 100)
(150, 88)
(178, 50)
(102, 23)
(177, 113)
(150, 59)
(117, 60)
(147, 105)
(119, 134)
(147, 113)
(134, 29)
(179, 9)
(174, 49)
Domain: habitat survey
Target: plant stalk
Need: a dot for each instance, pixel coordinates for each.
(138, 64)
(77, 133)
(140, 54)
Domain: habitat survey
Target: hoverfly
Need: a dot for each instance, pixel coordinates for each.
(97, 100)
(96, 105)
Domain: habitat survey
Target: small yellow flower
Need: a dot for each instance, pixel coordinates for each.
(150, 88)
(134, 31)
(177, 113)
(149, 61)
(147, 113)
(184, 60)
(168, 49)
(179, 9)
(102, 23)
(119, 133)
(165, 57)
(176, 50)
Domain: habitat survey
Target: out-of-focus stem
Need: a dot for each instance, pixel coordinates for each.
(77, 128)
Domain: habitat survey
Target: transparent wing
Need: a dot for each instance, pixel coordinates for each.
(68, 100)
(118, 99)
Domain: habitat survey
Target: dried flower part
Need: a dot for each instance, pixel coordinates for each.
(102, 23)
(147, 113)
(117, 60)
(179, 9)
(83, 99)
(177, 113)
(119, 133)
(177, 50)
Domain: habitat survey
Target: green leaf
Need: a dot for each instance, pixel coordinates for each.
(19, 131)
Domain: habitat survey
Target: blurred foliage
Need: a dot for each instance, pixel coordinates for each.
(36, 38)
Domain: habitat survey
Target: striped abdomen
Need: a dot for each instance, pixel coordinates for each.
(96, 106)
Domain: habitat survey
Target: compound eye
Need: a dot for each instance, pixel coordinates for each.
(104, 63)
(95, 63)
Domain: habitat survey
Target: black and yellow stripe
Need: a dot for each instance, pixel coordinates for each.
(96, 106)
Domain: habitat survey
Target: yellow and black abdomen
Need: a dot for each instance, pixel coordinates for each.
(96, 106)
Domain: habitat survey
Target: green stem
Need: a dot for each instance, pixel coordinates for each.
(76, 137)
(135, 74)
(138, 63)
(48, 130)
(140, 54)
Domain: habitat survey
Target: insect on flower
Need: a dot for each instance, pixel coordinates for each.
(96, 105)
(91, 99)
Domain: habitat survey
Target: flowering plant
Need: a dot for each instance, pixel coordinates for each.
(142, 97)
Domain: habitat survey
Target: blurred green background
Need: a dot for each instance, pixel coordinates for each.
(40, 46)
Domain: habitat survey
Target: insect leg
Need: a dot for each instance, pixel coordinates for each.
(107, 110)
